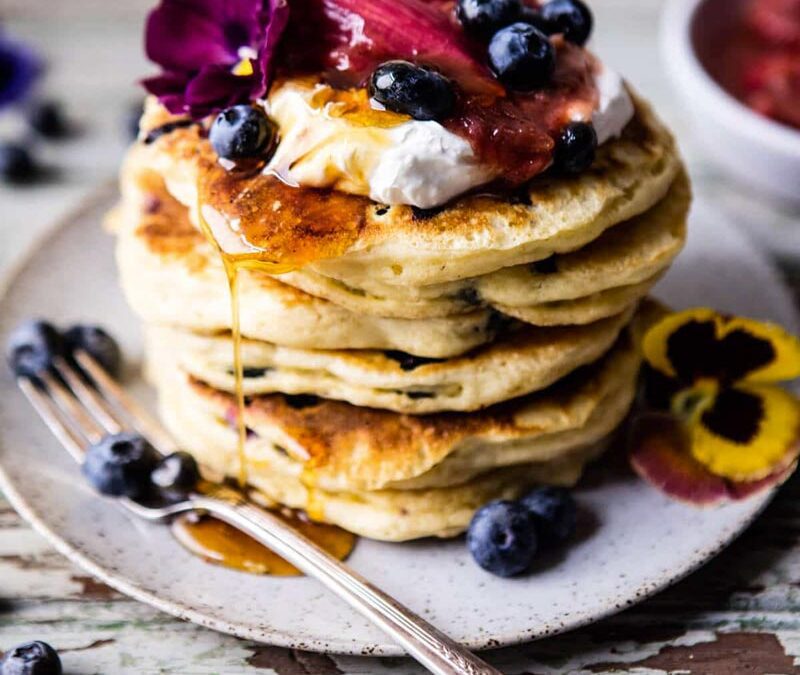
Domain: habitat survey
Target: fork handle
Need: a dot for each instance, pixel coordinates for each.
(428, 645)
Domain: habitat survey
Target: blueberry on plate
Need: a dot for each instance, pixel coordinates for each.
(554, 511)
(31, 347)
(522, 57)
(502, 538)
(575, 148)
(570, 17)
(120, 465)
(17, 165)
(483, 18)
(47, 118)
(242, 132)
(177, 472)
(31, 658)
(99, 344)
(404, 87)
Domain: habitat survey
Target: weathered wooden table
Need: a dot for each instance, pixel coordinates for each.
(739, 614)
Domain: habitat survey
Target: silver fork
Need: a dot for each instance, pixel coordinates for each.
(79, 414)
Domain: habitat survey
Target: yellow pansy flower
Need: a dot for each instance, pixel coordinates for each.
(718, 374)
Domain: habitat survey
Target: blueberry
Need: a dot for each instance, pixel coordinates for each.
(31, 347)
(97, 343)
(570, 17)
(242, 132)
(120, 465)
(554, 511)
(502, 538)
(522, 57)
(31, 658)
(413, 90)
(483, 18)
(17, 164)
(576, 148)
(47, 119)
(532, 16)
(177, 472)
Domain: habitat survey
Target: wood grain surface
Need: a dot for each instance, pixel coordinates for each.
(739, 614)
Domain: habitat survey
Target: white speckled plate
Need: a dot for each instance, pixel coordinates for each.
(640, 541)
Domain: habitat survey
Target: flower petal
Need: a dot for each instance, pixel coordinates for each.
(188, 35)
(700, 343)
(679, 344)
(198, 44)
(216, 87)
(748, 433)
(170, 88)
(745, 489)
(275, 18)
(785, 362)
(659, 454)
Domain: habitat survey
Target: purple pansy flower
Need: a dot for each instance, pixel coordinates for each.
(20, 67)
(214, 53)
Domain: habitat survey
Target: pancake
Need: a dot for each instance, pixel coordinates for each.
(521, 362)
(628, 254)
(396, 477)
(582, 311)
(172, 276)
(398, 245)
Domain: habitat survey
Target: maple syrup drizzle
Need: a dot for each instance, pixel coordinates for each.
(221, 544)
(232, 273)
(257, 222)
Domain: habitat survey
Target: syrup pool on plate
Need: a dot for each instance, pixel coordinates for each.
(221, 544)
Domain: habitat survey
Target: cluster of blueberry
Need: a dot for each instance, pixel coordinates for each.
(118, 465)
(31, 658)
(505, 537)
(519, 53)
(33, 345)
(45, 119)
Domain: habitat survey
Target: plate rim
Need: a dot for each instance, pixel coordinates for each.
(275, 636)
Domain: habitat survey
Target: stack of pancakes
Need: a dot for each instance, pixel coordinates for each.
(448, 357)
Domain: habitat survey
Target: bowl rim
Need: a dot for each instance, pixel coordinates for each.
(681, 59)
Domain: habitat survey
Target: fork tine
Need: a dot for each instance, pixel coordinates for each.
(138, 416)
(103, 412)
(53, 418)
(72, 408)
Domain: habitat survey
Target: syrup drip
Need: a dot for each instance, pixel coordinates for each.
(232, 273)
(221, 544)
(259, 223)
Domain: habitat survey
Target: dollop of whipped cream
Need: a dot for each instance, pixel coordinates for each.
(332, 139)
(615, 108)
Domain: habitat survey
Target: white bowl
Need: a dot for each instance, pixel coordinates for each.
(758, 151)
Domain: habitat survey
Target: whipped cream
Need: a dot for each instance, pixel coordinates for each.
(389, 158)
(615, 107)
